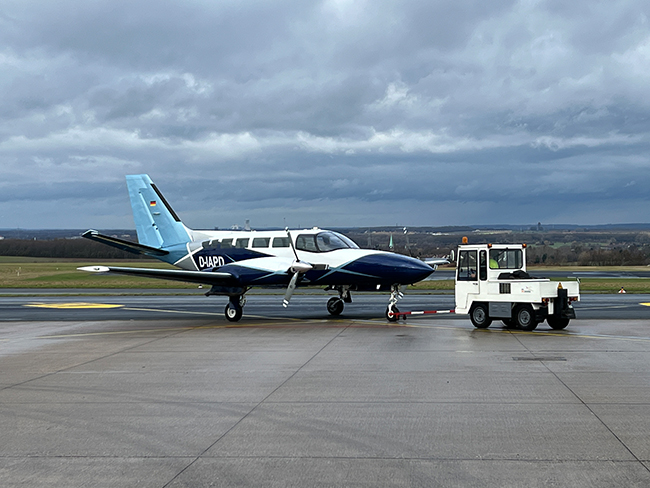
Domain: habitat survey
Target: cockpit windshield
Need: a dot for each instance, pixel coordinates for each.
(324, 242)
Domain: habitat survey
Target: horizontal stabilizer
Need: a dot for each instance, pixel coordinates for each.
(203, 277)
(128, 246)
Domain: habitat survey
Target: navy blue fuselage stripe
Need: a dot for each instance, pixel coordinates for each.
(392, 268)
(384, 269)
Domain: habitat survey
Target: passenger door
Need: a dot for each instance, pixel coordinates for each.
(467, 278)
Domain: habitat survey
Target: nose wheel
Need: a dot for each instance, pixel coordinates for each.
(392, 313)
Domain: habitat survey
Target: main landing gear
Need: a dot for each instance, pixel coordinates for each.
(335, 305)
(235, 308)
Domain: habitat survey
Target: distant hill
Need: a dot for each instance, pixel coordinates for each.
(130, 234)
(550, 244)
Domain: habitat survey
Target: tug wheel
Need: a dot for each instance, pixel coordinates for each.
(478, 314)
(557, 323)
(526, 317)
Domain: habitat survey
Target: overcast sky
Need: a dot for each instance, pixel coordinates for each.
(329, 113)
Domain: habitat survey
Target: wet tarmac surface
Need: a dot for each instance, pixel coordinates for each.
(306, 306)
(163, 391)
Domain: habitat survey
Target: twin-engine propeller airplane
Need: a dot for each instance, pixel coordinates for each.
(234, 261)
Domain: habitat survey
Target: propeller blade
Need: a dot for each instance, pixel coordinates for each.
(290, 289)
(298, 267)
(293, 248)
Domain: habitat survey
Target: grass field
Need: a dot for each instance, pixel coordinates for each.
(62, 273)
(19, 272)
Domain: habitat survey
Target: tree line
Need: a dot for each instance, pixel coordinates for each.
(582, 256)
(615, 252)
(551, 248)
(62, 248)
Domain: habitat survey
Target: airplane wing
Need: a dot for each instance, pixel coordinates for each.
(230, 275)
(202, 277)
(435, 262)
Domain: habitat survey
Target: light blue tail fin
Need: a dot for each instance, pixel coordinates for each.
(156, 222)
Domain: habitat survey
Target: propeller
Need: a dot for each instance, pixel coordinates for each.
(297, 267)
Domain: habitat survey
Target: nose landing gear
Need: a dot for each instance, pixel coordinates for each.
(392, 311)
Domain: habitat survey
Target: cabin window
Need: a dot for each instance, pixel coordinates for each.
(261, 241)
(242, 243)
(281, 242)
(225, 243)
(306, 243)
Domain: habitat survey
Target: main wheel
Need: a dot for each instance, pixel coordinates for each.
(233, 312)
(525, 316)
(335, 306)
(557, 323)
(478, 314)
(391, 313)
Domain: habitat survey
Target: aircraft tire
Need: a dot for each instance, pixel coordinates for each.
(557, 323)
(233, 312)
(478, 314)
(335, 306)
(526, 317)
(391, 314)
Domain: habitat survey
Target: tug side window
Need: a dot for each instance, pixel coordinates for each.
(483, 265)
(506, 259)
(467, 266)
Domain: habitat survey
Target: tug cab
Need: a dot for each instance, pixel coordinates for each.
(492, 283)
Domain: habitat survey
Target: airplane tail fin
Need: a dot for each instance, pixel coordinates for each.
(156, 223)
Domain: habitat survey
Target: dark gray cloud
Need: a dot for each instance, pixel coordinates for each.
(329, 113)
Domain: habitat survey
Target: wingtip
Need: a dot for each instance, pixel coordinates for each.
(95, 269)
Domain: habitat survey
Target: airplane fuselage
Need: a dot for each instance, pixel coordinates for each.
(255, 258)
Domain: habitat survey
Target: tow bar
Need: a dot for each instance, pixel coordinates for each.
(403, 315)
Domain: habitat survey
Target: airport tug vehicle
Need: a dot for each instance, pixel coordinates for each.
(492, 283)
